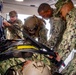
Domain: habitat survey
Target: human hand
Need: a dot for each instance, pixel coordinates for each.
(6, 24)
(57, 58)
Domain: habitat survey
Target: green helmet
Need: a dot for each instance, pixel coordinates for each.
(32, 24)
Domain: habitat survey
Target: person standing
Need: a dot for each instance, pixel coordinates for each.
(67, 46)
(11, 31)
(12, 34)
(57, 27)
(56, 23)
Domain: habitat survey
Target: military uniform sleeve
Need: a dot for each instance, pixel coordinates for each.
(58, 28)
(17, 34)
(68, 43)
(43, 35)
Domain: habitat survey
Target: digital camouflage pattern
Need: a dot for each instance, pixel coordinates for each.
(57, 30)
(35, 27)
(6, 64)
(69, 42)
(32, 23)
(14, 61)
(59, 5)
(13, 33)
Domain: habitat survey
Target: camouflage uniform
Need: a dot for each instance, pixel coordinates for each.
(57, 29)
(36, 25)
(6, 64)
(69, 42)
(56, 32)
(40, 34)
(13, 33)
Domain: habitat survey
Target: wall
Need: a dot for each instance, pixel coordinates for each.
(20, 9)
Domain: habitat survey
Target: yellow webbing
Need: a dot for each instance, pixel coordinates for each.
(26, 47)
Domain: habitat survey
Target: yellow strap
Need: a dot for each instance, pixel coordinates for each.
(26, 47)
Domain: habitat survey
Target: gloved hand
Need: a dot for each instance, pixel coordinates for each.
(6, 24)
(56, 60)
